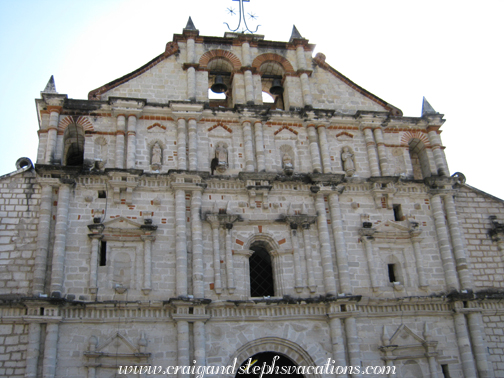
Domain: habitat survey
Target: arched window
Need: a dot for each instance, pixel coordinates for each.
(419, 159)
(280, 364)
(73, 145)
(261, 272)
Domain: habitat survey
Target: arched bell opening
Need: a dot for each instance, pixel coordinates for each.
(419, 159)
(271, 364)
(272, 78)
(73, 145)
(220, 83)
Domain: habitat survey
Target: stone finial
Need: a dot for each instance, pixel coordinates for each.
(385, 337)
(427, 108)
(190, 25)
(51, 86)
(295, 34)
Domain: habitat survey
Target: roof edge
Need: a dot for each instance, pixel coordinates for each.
(482, 192)
(320, 61)
(171, 48)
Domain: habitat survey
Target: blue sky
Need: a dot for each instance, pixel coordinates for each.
(449, 51)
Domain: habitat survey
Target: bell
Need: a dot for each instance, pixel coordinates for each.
(218, 86)
(276, 88)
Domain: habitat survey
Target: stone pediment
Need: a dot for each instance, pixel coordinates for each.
(122, 224)
(393, 230)
(120, 227)
(117, 344)
(404, 336)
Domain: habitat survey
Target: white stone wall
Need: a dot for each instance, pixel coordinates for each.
(19, 196)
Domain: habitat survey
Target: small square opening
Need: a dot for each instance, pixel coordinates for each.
(398, 214)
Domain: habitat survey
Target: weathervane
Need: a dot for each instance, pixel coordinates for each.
(252, 16)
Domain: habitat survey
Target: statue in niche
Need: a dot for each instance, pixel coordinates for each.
(348, 161)
(287, 165)
(156, 156)
(220, 160)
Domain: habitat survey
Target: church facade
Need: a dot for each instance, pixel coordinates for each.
(160, 227)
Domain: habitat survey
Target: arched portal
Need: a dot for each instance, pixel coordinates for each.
(271, 364)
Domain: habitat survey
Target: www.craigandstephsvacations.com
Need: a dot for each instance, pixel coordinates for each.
(251, 368)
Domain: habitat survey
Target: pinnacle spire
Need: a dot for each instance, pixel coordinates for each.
(427, 108)
(51, 86)
(295, 33)
(190, 25)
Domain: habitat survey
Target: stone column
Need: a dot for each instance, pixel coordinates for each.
(324, 149)
(130, 161)
(42, 145)
(197, 245)
(477, 332)
(353, 344)
(248, 147)
(419, 264)
(52, 134)
(199, 343)
(32, 350)
(249, 87)
(437, 150)
(181, 242)
(121, 128)
(297, 259)
(433, 366)
(191, 84)
(371, 149)
(39, 274)
(147, 239)
(368, 245)
(181, 144)
(93, 264)
(461, 263)
(444, 243)
(339, 241)
(259, 145)
(58, 260)
(216, 257)
(309, 258)
(464, 345)
(338, 344)
(182, 346)
(382, 151)
(305, 83)
(50, 351)
(314, 149)
(325, 246)
(229, 260)
(193, 144)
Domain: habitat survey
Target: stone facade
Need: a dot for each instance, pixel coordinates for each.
(159, 227)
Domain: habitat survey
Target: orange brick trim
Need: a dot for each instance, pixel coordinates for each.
(408, 136)
(156, 125)
(284, 128)
(81, 121)
(344, 133)
(156, 118)
(290, 124)
(51, 108)
(218, 120)
(228, 129)
(270, 57)
(356, 128)
(239, 242)
(320, 61)
(171, 48)
(214, 54)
